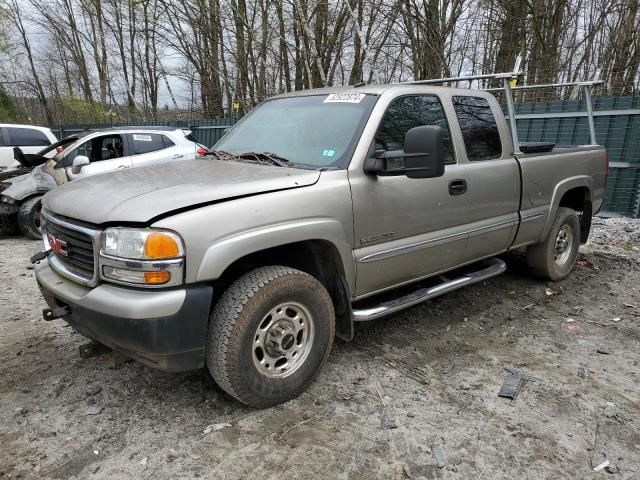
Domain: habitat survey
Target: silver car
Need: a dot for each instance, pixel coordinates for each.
(86, 154)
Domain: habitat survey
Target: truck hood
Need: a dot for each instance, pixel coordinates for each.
(142, 194)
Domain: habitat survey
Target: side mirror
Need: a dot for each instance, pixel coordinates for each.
(422, 157)
(79, 162)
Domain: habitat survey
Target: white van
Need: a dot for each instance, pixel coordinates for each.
(29, 138)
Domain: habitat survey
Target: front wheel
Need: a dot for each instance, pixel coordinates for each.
(29, 218)
(269, 335)
(555, 257)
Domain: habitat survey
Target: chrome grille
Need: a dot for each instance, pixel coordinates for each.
(76, 259)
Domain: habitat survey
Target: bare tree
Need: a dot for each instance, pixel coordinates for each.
(224, 56)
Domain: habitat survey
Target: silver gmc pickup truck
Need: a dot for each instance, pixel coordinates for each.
(310, 214)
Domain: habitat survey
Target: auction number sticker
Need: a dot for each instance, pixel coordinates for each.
(344, 98)
(141, 138)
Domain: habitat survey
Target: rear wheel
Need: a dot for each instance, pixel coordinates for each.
(29, 218)
(555, 257)
(269, 335)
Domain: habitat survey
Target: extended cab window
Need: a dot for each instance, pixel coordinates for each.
(405, 113)
(26, 137)
(148, 142)
(479, 128)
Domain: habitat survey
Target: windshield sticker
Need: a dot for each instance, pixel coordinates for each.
(142, 138)
(344, 98)
(328, 153)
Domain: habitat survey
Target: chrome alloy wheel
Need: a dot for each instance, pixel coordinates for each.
(563, 246)
(283, 340)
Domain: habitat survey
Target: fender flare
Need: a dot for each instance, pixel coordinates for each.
(579, 181)
(225, 251)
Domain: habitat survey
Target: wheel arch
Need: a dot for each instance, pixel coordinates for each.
(574, 193)
(317, 257)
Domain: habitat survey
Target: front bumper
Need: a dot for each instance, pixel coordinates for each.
(165, 329)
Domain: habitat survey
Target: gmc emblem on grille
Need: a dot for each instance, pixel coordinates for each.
(57, 245)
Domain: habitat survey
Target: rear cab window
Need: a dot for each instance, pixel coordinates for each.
(149, 142)
(26, 137)
(479, 128)
(407, 112)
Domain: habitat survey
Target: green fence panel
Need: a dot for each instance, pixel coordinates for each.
(619, 133)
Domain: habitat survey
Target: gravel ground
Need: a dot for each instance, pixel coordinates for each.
(414, 395)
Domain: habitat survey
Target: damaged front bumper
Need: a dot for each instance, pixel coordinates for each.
(164, 329)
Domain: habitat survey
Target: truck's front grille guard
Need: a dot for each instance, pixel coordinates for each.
(58, 265)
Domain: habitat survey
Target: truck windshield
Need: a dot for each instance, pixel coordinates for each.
(318, 131)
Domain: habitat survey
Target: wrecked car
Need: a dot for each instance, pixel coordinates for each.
(86, 154)
(321, 208)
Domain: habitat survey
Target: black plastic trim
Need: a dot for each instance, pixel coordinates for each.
(175, 343)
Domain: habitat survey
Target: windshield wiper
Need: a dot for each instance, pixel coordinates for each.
(274, 158)
(222, 154)
(256, 157)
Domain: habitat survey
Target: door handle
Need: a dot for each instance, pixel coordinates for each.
(122, 167)
(457, 187)
(178, 155)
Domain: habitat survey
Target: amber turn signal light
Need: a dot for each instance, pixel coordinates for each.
(161, 245)
(157, 278)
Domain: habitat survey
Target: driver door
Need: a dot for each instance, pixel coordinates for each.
(106, 153)
(408, 228)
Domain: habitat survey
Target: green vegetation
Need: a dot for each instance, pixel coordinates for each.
(8, 112)
(75, 110)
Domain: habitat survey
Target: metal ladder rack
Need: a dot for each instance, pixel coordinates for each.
(507, 88)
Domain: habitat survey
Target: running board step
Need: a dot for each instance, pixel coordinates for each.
(492, 267)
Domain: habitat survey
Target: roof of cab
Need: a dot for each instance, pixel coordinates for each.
(380, 89)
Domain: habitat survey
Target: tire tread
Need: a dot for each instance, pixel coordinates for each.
(227, 313)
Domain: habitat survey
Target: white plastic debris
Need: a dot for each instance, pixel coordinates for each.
(602, 466)
(215, 427)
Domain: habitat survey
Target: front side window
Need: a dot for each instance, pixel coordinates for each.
(26, 137)
(97, 149)
(316, 131)
(479, 128)
(147, 142)
(405, 113)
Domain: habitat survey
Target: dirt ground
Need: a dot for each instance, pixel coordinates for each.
(413, 390)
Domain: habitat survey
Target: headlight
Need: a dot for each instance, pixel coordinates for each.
(142, 257)
(141, 243)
